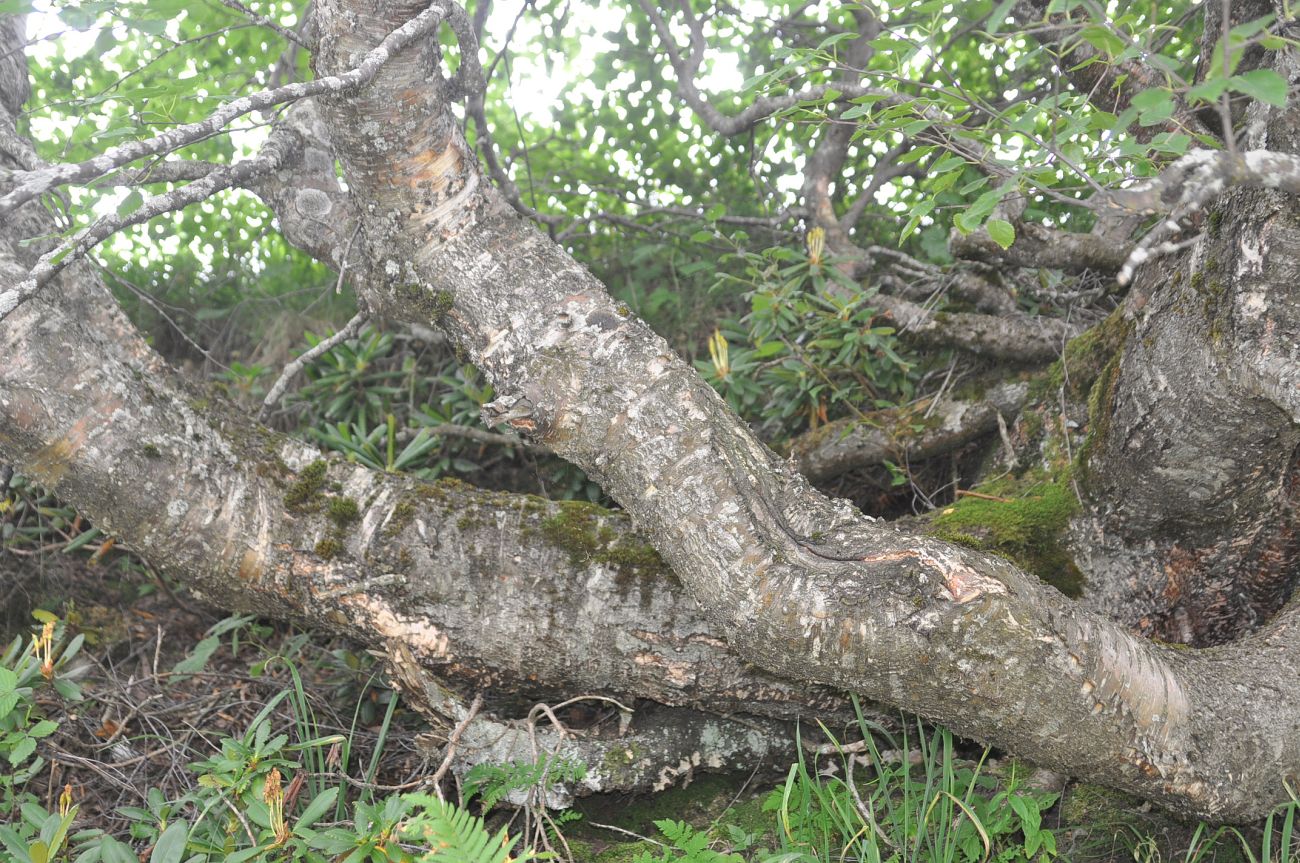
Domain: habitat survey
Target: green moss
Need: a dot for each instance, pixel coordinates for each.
(303, 495)
(1024, 524)
(329, 548)
(620, 757)
(1101, 406)
(151, 451)
(342, 511)
(1100, 821)
(1087, 355)
(402, 515)
(442, 303)
(578, 528)
(432, 305)
(1032, 421)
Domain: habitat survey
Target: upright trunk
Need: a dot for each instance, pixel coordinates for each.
(1192, 478)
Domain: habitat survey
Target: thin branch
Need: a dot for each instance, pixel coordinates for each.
(265, 22)
(487, 437)
(760, 109)
(74, 248)
(41, 181)
(470, 83)
(170, 171)
(149, 300)
(452, 741)
(300, 362)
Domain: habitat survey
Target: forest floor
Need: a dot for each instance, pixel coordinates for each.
(167, 679)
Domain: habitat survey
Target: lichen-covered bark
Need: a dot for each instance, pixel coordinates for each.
(492, 589)
(1191, 478)
(802, 585)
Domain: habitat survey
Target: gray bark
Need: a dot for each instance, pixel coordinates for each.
(784, 572)
(805, 587)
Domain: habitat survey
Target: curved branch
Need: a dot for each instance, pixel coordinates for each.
(802, 585)
(214, 499)
(950, 424)
(1189, 184)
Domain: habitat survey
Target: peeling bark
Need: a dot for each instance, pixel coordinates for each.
(819, 596)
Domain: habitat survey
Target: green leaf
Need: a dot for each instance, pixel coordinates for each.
(198, 658)
(1152, 98)
(1002, 232)
(247, 854)
(22, 749)
(44, 728)
(1264, 85)
(8, 691)
(318, 807)
(1103, 39)
(1207, 91)
(81, 539)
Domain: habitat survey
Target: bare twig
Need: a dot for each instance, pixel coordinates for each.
(74, 248)
(265, 22)
(760, 109)
(452, 740)
(292, 370)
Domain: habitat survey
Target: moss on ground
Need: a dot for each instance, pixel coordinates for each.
(700, 804)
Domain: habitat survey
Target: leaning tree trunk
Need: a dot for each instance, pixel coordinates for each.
(800, 584)
(803, 586)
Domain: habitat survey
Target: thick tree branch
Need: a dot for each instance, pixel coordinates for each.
(1040, 246)
(1189, 184)
(214, 499)
(802, 585)
(1017, 337)
(947, 425)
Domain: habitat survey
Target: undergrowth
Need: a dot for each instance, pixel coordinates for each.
(279, 789)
